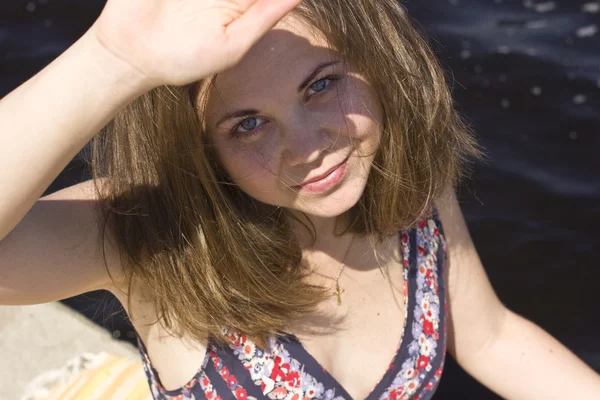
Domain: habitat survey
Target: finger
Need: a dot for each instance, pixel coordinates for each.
(258, 20)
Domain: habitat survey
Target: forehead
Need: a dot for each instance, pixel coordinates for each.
(284, 54)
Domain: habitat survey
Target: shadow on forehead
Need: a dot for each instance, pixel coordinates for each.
(280, 52)
(283, 57)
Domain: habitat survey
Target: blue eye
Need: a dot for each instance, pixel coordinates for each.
(249, 123)
(320, 85)
(248, 127)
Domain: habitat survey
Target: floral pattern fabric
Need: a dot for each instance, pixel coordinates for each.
(285, 370)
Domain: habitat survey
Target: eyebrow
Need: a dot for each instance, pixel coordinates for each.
(314, 73)
(301, 87)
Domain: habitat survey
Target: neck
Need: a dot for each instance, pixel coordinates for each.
(324, 228)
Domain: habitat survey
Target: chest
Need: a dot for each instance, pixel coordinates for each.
(348, 346)
(356, 341)
(353, 343)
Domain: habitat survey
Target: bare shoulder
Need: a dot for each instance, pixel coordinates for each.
(55, 251)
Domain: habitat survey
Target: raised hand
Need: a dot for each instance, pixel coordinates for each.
(180, 41)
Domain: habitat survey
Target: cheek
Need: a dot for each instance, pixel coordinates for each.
(362, 112)
(252, 169)
(365, 127)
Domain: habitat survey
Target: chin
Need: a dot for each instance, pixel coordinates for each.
(334, 204)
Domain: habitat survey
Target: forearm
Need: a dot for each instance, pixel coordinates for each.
(46, 121)
(522, 361)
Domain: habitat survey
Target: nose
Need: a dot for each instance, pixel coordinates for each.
(304, 141)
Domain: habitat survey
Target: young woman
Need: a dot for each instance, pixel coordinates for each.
(272, 203)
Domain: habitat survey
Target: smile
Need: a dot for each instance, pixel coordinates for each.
(327, 182)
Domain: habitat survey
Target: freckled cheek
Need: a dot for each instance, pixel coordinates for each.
(253, 169)
(363, 125)
(362, 115)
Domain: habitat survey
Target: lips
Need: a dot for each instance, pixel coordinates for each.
(323, 175)
(326, 181)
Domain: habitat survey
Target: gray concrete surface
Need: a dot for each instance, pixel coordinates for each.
(35, 339)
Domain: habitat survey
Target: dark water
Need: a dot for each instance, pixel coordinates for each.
(526, 74)
(528, 78)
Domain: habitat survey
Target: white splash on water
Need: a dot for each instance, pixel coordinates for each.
(531, 52)
(536, 24)
(587, 31)
(544, 7)
(591, 7)
(580, 99)
(503, 49)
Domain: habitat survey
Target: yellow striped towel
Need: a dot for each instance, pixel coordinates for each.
(105, 377)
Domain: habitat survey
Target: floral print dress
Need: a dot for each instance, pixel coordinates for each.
(285, 370)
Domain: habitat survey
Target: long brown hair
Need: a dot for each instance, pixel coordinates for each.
(207, 254)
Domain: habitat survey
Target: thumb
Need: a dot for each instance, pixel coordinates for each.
(260, 17)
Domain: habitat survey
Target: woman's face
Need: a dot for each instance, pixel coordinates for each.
(289, 113)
